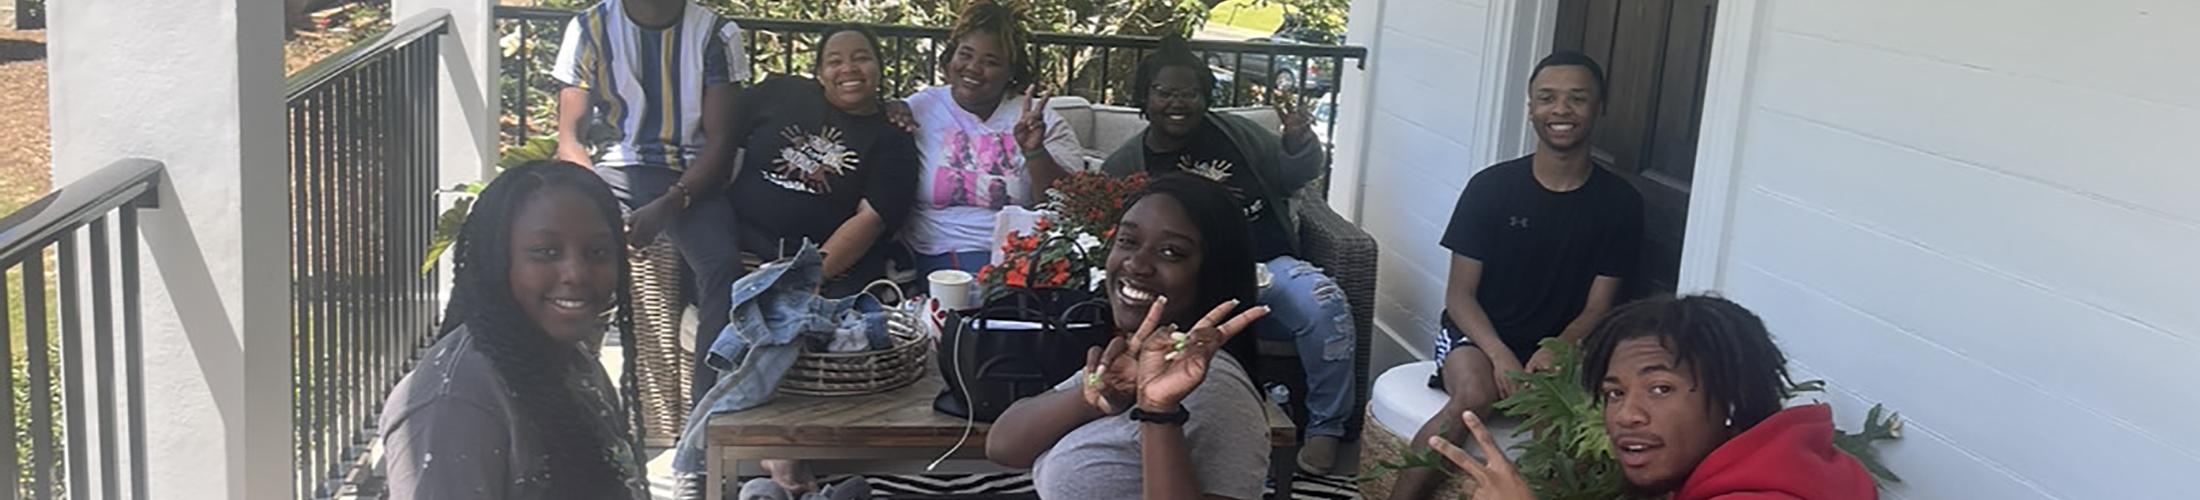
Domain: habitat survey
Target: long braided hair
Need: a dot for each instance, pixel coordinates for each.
(1736, 364)
(535, 368)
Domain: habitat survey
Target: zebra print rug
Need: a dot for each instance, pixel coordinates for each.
(1018, 486)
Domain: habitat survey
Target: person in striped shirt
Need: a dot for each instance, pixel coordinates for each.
(663, 74)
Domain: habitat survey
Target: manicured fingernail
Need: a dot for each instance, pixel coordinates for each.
(1472, 416)
(1161, 300)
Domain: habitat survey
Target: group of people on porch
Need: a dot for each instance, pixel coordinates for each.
(505, 404)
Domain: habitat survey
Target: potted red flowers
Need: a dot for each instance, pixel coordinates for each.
(1068, 249)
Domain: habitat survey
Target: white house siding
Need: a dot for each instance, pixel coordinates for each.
(1427, 58)
(1985, 214)
(1982, 213)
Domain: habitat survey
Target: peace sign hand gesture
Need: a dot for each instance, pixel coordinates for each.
(1496, 480)
(1172, 363)
(1031, 126)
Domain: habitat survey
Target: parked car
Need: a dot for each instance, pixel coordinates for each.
(1294, 74)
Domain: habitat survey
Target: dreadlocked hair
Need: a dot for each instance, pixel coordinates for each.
(1007, 23)
(1175, 52)
(1724, 345)
(535, 368)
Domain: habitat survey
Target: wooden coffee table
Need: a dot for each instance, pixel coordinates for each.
(894, 425)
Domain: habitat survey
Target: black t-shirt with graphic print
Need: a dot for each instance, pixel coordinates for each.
(1211, 154)
(807, 164)
(1541, 249)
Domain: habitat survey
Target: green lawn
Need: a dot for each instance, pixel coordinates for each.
(1257, 15)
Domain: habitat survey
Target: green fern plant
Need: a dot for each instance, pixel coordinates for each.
(448, 222)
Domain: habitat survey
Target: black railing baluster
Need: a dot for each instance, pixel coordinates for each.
(300, 246)
(133, 357)
(1107, 73)
(526, 77)
(1273, 81)
(346, 274)
(1336, 87)
(103, 353)
(433, 101)
(1303, 80)
(72, 367)
(1237, 80)
(8, 483)
(323, 256)
(371, 387)
(36, 337)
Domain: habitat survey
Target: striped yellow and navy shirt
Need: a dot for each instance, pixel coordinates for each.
(648, 83)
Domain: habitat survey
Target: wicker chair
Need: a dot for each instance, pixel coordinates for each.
(663, 367)
(1348, 255)
(1343, 251)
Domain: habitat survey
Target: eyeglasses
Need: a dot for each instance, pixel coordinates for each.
(1161, 93)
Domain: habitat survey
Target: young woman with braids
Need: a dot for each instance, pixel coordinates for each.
(985, 141)
(507, 404)
(1161, 412)
(1693, 391)
(1263, 169)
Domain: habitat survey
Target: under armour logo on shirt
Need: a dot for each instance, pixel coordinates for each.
(1519, 222)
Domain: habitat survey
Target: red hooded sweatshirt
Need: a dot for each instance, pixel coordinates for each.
(1788, 456)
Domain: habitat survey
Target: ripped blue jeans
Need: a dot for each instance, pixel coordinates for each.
(1308, 309)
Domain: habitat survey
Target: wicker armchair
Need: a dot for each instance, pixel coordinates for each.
(663, 367)
(1348, 255)
(1344, 251)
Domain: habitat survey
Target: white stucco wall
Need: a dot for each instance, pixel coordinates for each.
(196, 84)
(1982, 213)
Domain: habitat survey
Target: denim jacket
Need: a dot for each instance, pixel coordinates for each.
(777, 313)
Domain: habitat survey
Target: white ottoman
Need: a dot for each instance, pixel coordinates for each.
(1401, 401)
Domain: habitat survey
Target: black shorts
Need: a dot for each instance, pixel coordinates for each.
(1448, 340)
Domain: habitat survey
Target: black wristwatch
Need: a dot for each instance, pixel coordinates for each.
(1178, 417)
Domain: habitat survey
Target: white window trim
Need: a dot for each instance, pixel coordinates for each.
(1520, 33)
(1727, 100)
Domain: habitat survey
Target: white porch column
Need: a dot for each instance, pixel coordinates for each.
(468, 100)
(198, 85)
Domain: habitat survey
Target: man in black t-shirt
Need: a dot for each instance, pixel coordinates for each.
(1539, 246)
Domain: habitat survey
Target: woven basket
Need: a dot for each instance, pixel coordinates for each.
(663, 369)
(866, 372)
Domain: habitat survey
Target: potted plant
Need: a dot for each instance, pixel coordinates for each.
(1064, 256)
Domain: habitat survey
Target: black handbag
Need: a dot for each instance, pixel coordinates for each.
(1019, 344)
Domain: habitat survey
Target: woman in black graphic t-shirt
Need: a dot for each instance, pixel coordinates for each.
(823, 164)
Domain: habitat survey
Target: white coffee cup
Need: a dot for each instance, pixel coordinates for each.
(952, 288)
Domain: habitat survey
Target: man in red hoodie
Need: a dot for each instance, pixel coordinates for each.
(1693, 391)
